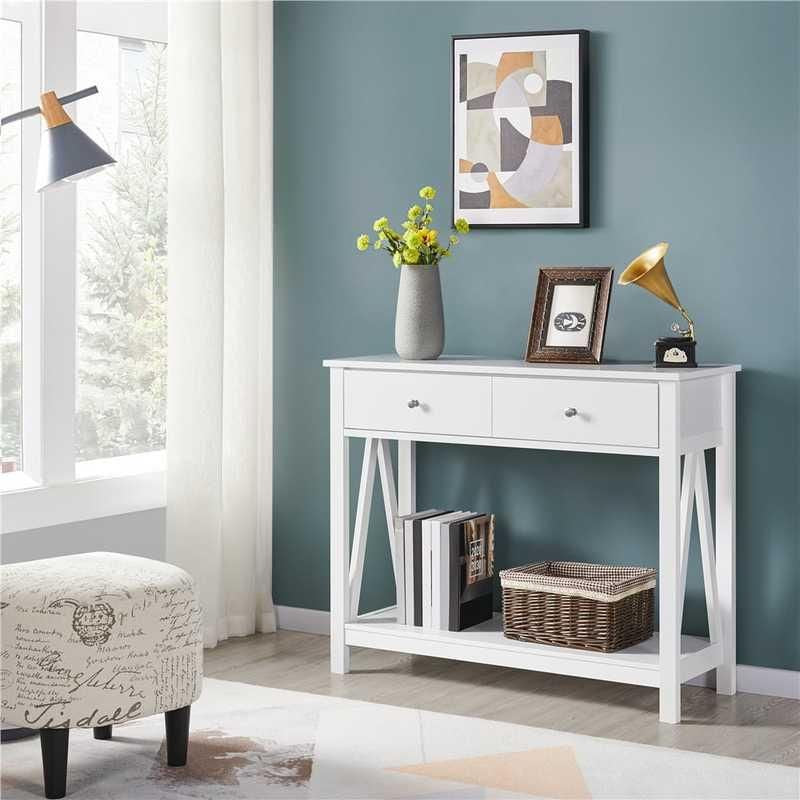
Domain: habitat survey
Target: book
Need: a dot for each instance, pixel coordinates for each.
(440, 566)
(471, 556)
(412, 557)
(430, 575)
(450, 570)
(425, 565)
(400, 579)
(479, 548)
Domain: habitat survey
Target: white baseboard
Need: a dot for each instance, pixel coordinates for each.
(759, 680)
(753, 680)
(305, 620)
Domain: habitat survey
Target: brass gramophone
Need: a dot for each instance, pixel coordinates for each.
(648, 271)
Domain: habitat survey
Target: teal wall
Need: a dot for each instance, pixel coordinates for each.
(694, 139)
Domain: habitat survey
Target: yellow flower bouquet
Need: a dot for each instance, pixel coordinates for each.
(419, 244)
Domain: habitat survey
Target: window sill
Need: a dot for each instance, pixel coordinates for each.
(102, 488)
(138, 464)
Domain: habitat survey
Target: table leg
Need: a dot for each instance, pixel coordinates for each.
(709, 561)
(389, 490)
(726, 535)
(363, 508)
(670, 600)
(406, 477)
(340, 527)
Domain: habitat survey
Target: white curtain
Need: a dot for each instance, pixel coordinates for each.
(219, 415)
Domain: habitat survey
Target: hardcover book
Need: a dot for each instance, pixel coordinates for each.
(431, 567)
(471, 559)
(400, 558)
(412, 559)
(440, 568)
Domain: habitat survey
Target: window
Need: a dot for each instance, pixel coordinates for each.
(122, 251)
(83, 268)
(10, 250)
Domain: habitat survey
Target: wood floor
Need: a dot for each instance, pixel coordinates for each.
(744, 726)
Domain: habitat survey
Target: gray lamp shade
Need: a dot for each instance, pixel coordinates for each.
(68, 154)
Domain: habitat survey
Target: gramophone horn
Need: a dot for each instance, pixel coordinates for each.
(648, 271)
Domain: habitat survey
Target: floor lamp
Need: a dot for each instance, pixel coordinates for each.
(66, 154)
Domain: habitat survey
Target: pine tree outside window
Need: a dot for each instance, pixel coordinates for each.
(122, 251)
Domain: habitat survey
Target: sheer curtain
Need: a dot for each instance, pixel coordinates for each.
(219, 413)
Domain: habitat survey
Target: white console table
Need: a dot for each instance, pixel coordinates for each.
(631, 409)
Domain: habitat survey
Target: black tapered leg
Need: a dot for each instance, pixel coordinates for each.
(177, 725)
(13, 734)
(103, 732)
(55, 744)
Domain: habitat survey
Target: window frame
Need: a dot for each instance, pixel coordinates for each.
(52, 488)
(26, 14)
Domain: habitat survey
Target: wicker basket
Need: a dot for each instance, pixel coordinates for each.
(589, 606)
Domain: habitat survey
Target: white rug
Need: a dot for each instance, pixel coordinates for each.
(258, 743)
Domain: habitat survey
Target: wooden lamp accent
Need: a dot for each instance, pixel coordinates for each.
(49, 101)
(52, 111)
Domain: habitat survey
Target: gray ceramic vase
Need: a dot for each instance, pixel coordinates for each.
(419, 324)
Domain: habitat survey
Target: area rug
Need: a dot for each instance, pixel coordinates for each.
(256, 743)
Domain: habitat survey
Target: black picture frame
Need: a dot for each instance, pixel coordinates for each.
(583, 123)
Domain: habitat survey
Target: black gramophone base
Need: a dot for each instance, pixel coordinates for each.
(675, 351)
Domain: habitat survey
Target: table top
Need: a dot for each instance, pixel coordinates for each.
(641, 371)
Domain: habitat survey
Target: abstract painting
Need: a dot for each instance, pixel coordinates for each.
(520, 129)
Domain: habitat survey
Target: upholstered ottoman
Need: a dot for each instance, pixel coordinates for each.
(92, 640)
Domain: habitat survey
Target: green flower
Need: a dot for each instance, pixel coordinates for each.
(462, 226)
(397, 259)
(427, 192)
(378, 244)
(362, 243)
(410, 255)
(433, 236)
(428, 208)
(454, 240)
(380, 224)
(414, 212)
(413, 239)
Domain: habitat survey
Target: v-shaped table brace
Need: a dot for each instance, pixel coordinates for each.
(694, 492)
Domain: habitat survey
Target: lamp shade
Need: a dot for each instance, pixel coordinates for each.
(66, 152)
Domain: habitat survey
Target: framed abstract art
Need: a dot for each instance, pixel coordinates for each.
(520, 127)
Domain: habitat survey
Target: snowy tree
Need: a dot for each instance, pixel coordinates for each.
(123, 327)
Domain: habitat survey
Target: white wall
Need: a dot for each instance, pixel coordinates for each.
(139, 534)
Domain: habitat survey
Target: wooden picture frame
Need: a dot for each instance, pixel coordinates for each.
(568, 322)
(495, 181)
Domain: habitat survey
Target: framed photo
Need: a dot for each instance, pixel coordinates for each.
(568, 322)
(520, 129)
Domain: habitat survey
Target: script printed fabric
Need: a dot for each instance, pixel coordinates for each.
(97, 639)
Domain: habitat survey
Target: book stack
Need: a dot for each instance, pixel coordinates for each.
(448, 564)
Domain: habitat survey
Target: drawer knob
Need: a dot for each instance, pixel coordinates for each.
(570, 412)
(413, 403)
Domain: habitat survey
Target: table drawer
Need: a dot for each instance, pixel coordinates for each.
(444, 403)
(611, 413)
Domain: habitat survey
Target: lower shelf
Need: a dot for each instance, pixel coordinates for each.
(485, 644)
